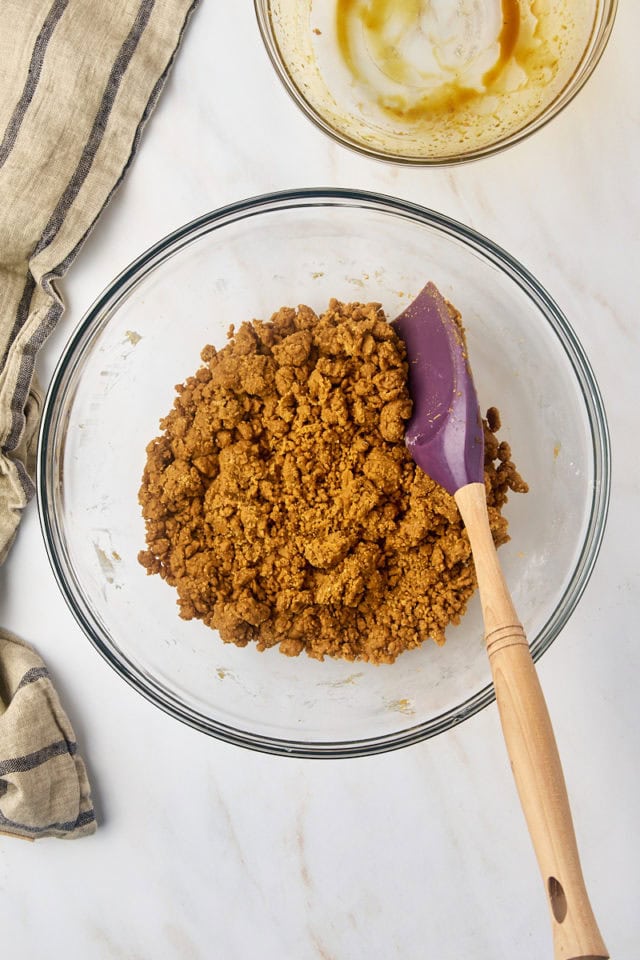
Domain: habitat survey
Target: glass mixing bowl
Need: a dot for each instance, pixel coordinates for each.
(144, 334)
(428, 83)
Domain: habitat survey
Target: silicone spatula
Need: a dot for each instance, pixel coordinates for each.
(445, 438)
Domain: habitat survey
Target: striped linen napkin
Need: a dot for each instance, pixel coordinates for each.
(78, 80)
(44, 790)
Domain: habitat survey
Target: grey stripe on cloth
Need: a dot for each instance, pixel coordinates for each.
(38, 757)
(25, 375)
(35, 673)
(120, 65)
(33, 75)
(83, 820)
(27, 484)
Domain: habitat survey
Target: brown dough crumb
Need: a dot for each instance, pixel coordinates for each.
(282, 504)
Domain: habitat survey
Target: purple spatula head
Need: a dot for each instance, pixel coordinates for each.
(444, 435)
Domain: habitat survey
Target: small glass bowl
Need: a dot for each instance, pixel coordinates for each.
(435, 86)
(144, 334)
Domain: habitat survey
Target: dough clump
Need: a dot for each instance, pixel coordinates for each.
(281, 502)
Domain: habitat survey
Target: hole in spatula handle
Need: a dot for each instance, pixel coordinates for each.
(557, 898)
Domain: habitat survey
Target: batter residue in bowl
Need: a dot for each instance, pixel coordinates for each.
(281, 502)
(431, 78)
(417, 59)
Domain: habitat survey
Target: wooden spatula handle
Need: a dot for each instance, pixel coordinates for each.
(531, 745)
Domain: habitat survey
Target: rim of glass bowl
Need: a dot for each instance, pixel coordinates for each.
(53, 430)
(589, 60)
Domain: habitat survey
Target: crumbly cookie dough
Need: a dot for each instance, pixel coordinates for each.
(281, 502)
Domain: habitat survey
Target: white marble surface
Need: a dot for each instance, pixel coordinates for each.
(208, 851)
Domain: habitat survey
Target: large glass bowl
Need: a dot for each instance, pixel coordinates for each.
(427, 83)
(143, 336)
